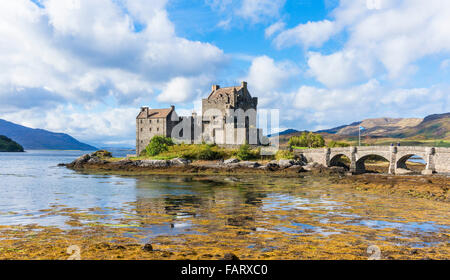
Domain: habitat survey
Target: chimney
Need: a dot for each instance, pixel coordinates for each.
(215, 87)
(244, 84)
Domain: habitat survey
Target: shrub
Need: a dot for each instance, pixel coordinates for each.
(307, 139)
(246, 153)
(102, 154)
(158, 144)
(199, 152)
(284, 154)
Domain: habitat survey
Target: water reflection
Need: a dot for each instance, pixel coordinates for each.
(34, 191)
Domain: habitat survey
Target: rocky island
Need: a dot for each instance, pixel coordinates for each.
(434, 187)
(8, 145)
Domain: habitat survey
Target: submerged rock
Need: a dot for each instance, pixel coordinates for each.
(230, 257)
(148, 247)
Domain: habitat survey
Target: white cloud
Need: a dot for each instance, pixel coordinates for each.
(331, 107)
(260, 10)
(341, 68)
(181, 89)
(395, 36)
(311, 34)
(90, 50)
(267, 77)
(445, 64)
(274, 28)
(254, 11)
(76, 55)
(114, 124)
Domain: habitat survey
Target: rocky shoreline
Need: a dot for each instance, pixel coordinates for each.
(95, 162)
(431, 187)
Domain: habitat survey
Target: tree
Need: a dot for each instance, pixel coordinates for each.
(158, 144)
(310, 140)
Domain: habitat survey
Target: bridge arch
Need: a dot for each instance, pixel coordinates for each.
(361, 166)
(341, 160)
(402, 160)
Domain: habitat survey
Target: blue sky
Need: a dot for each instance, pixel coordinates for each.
(85, 67)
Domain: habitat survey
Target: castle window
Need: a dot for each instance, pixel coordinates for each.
(150, 129)
(157, 120)
(141, 121)
(141, 129)
(157, 129)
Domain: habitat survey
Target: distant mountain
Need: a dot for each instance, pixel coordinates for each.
(284, 132)
(375, 127)
(432, 127)
(40, 139)
(8, 145)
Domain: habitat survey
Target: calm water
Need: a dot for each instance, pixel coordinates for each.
(34, 190)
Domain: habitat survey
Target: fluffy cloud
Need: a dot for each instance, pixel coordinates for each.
(341, 68)
(267, 77)
(107, 54)
(311, 34)
(90, 50)
(331, 107)
(394, 35)
(110, 126)
(181, 89)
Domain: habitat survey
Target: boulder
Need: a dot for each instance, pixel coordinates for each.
(249, 164)
(403, 171)
(179, 161)
(124, 162)
(427, 172)
(230, 257)
(148, 247)
(312, 165)
(285, 163)
(94, 159)
(296, 168)
(230, 161)
(154, 163)
(82, 159)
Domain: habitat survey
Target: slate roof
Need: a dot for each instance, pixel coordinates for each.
(154, 113)
(224, 91)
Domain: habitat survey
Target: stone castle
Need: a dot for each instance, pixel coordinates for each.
(228, 118)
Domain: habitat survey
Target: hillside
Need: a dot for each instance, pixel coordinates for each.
(40, 139)
(8, 145)
(379, 126)
(431, 130)
(432, 127)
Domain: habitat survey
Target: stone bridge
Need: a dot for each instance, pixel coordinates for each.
(437, 159)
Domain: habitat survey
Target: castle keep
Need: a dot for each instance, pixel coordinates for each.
(228, 118)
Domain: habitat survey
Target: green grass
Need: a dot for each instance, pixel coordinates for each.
(300, 148)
